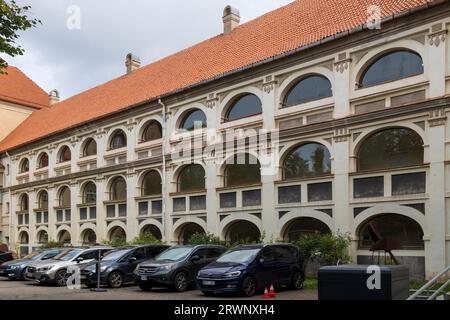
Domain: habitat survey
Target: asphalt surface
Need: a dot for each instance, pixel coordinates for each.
(27, 290)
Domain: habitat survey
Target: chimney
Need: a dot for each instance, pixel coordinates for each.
(132, 63)
(53, 97)
(231, 19)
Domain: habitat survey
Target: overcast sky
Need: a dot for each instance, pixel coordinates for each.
(73, 60)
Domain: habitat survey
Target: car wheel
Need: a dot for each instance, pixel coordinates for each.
(115, 279)
(145, 286)
(298, 280)
(22, 274)
(181, 281)
(249, 287)
(61, 278)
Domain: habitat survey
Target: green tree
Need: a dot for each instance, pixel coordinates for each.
(13, 18)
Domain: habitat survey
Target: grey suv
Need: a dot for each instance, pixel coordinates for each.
(176, 267)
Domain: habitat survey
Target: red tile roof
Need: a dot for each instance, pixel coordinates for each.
(290, 27)
(17, 88)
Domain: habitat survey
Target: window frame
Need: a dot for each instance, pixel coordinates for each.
(233, 104)
(297, 82)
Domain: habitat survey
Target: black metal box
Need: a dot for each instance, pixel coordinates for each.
(349, 282)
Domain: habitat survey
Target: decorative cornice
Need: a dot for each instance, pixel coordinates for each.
(341, 135)
(342, 65)
(436, 38)
(437, 117)
(212, 101)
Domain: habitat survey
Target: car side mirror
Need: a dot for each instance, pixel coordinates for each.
(195, 258)
(132, 259)
(79, 260)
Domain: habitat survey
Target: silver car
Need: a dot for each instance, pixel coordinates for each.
(55, 270)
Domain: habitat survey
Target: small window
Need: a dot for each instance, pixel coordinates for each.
(24, 203)
(43, 200)
(118, 190)
(43, 161)
(90, 193)
(25, 166)
(90, 148)
(118, 140)
(65, 155)
(308, 89)
(195, 119)
(392, 66)
(64, 198)
(307, 161)
(152, 184)
(245, 106)
(152, 131)
(244, 170)
(191, 178)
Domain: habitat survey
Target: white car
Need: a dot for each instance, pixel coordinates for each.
(55, 270)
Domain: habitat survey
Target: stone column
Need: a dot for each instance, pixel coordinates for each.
(101, 210)
(74, 215)
(132, 222)
(211, 198)
(341, 89)
(269, 102)
(167, 214)
(32, 218)
(437, 60)
(52, 236)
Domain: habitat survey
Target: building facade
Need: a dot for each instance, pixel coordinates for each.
(363, 147)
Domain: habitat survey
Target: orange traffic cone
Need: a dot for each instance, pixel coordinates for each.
(266, 294)
(272, 293)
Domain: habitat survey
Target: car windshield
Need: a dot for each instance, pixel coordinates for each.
(33, 255)
(67, 255)
(174, 254)
(114, 255)
(239, 256)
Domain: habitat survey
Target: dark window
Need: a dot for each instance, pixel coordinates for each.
(24, 203)
(390, 149)
(151, 184)
(268, 254)
(320, 192)
(179, 204)
(43, 200)
(110, 211)
(64, 197)
(243, 170)
(122, 210)
(202, 253)
(89, 255)
(228, 200)
(83, 213)
(251, 198)
(143, 208)
(197, 203)
(195, 119)
(290, 194)
(25, 166)
(245, 106)
(118, 140)
(118, 191)
(90, 193)
(139, 253)
(214, 253)
(308, 160)
(90, 148)
(368, 187)
(283, 253)
(43, 161)
(65, 155)
(309, 89)
(305, 226)
(152, 131)
(156, 206)
(411, 183)
(191, 178)
(392, 66)
(93, 213)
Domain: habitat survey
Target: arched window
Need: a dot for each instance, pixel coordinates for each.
(43, 161)
(65, 155)
(90, 193)
(64, 197)
(118, 191)
(244, 169)
(24, 166)
(245, 106)
(390, 149)
(194, 119)
(24, 203)
(392, 66)
(118, 140)
(308, 89)
(191, 178)
(152, 131)
(151, 184)
(90, 148)
(308, 160)
(402, 232)
(43, 200)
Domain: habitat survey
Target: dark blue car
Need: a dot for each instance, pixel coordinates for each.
(251, 268)
(15, 269)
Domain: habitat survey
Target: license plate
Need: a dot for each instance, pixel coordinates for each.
(209, 283)
(144, 278)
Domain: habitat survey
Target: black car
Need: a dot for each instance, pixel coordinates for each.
(176, 267)
(15, 269)
(118, 265)
(5, 257)
(247, 269)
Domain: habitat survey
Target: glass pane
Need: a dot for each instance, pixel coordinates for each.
(251, 198)
(90, 193)
(93, 213)
(228, 200)
(68, 215)
(119, 140)
(38, 217)
(43, 161)
(389, 149)
(64, 197)
(248, 105)
(25, 167)
(368, 187)
(157, 207)
(197, 203)
(27, 218)
(46, 217)
(119, 190)
(244, 170)
(192, 178)
(90, 148)
(290, 194)
(179, 204)
(143, 208)
(43, 200)
(152, 184)
(110, 211)
(309, 160)
(320, 192)
(152, 131)
(83, 213)
(65, 155)
(20, 219)
(412, 183)
(195, 119)
(122, 210)
(393, 66)
(59, 215)
(309, 89)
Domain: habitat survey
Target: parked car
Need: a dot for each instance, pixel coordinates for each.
(247, 269)
(55, 270)
(117, 266)
(5, 257)
(15, 269)
(176, 267)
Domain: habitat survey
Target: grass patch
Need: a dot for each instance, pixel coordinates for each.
(311, 284)
(416, 285)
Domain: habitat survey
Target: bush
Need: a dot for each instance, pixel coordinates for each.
(51, 245)
(327, 249)
(204, 238)
(146, 238)
(116, 243)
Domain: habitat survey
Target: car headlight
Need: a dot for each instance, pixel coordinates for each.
(46, 268)
(15, 267)
(164, 268)
(103, 268)
(233, 274)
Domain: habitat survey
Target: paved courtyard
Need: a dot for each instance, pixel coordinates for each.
(19, 290)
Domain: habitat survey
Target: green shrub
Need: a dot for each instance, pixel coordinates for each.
(204, 238)
(116, 243)
(146, 238)
(52, 244)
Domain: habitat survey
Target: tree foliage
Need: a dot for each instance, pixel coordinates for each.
(13, 19)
